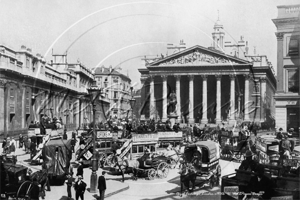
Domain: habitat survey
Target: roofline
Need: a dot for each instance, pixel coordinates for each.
(201, 47)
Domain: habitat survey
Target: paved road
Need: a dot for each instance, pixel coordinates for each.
(141, 189)
(168, 188)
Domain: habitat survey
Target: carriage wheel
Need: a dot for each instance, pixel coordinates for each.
(163, 170)
(23, 191)
(151, 174)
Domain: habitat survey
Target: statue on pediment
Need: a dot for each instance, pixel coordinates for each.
(172, 101)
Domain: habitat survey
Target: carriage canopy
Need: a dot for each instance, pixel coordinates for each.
(208, 149)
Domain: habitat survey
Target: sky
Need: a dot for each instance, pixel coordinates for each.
(121, 33)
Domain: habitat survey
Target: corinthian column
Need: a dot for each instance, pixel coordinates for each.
(178, 106)
(218, 114)
(232, 99)
(263, 91)
(152, 108)
(165, 98)
(191, 95)
(204, 99)
(246, 98)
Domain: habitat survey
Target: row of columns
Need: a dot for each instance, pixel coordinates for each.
(204, 119)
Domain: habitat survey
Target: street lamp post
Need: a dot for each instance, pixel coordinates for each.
(94, 92)
(132, 102)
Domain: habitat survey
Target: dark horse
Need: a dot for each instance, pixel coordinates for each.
(188, 174)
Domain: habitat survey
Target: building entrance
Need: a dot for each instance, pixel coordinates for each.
(293, 118)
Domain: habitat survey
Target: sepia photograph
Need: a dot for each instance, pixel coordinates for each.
(149, 99)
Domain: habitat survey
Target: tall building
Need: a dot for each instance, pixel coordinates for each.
(210, 86)
(117, 88)
(288, 62)
(31, 88)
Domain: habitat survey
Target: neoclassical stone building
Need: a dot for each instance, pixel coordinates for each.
(288, 63)
(210, 86)
(30, 88)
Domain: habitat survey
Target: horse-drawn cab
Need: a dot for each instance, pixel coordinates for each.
(202, 159)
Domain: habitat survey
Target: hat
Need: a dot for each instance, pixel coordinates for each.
(248, 153)
(280, 129)
(79, 176)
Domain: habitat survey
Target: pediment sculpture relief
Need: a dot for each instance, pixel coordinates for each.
(195, 58)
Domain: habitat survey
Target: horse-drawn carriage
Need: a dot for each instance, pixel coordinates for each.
(147, 166)
(234, 145)
(201, 163)
(17, 182)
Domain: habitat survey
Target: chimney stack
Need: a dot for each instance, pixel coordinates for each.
(110, 68)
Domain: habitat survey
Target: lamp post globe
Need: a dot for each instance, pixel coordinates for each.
(94, 93)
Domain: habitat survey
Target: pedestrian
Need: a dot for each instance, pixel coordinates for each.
(65, 136)
(32, 149)
(70, 182)
(79, 186)
(21, 141)
(13, 145)
(35, 190)
(73, 141)
(102, 185)
(4, 144)
(80, 169)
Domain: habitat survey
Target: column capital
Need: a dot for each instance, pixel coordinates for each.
(218, 76)
(3, 82)
(247, 76)
(279, 35)
(151, 77)
(232, 76)
(204, 76)
(177, 77)
(191, 77)
(164, 77)
(263, 79)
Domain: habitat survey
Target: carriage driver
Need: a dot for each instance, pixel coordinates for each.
(197, 158)
(248, 164)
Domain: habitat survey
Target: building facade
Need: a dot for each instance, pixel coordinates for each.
(31, 88)
(287, 96)
(117, 87)
(210, 86)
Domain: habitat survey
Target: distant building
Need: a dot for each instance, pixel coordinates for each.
(211, 86)
(117, 88)
(288, 63)
(31, 88)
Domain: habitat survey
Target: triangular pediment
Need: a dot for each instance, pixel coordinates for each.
(197, 55)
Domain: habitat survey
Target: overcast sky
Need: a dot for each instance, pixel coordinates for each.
(112, 32)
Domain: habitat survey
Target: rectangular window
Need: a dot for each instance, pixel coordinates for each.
(12, 101)
(108, 144)
(152, 148)
(27, 110)
(115, 95)
(294, 47)
(134, 149)
(141, 149)
(293, 80)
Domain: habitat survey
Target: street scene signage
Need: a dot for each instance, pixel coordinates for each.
(104, 134)
(144, 137)
(169, 134)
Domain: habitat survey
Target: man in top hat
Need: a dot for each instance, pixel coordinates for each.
(102, 185)
(248, 164)
(80, 187)
(260, 185)
(280, 134)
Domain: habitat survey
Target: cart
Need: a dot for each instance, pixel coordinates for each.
(201, 164)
